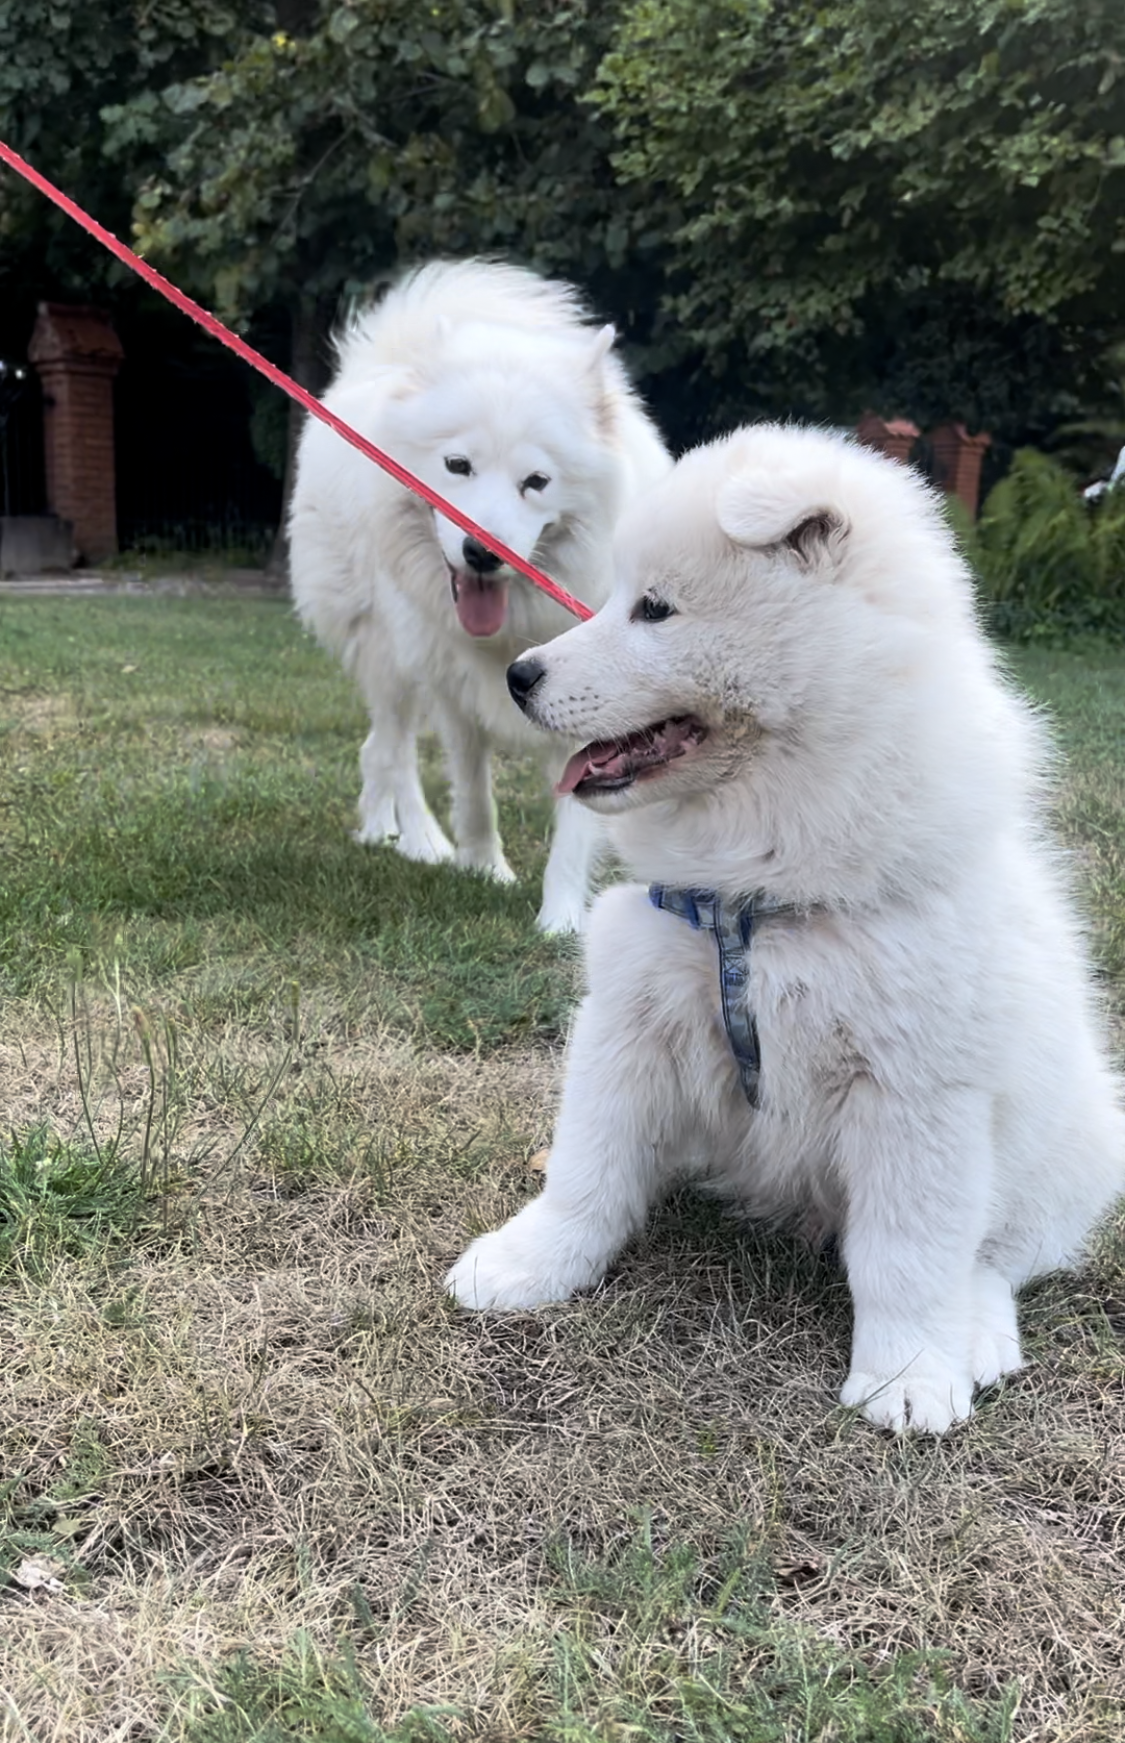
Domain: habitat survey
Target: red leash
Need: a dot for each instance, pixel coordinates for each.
(211, 324)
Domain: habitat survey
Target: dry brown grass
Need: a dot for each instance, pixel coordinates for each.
(274, 1421)
(253, 1413)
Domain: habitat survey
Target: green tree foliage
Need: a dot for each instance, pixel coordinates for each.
(1089, 445)
(794, 207)
(922, 203)
(360, 134)
(379, 130)
(60, 64)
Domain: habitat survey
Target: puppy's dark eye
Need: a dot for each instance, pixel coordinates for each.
(457, 463)
(650, 609)
(534, 481)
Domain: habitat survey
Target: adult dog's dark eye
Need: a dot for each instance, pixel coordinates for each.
(535, 481)
(457, 463)
(650, 609)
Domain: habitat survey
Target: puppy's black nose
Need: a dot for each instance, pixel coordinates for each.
(523, 675)
(484, 562)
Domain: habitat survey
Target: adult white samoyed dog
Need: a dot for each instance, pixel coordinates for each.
(488, 383)
(854, 992)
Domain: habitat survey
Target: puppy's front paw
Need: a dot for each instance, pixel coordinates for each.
(535, 1258)
(922, 1400)
(562, 919)
(508, 1269)
(996, 1336)
(490, 1276)
(996, 1352)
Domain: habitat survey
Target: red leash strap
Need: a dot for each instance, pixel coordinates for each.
(211, 324)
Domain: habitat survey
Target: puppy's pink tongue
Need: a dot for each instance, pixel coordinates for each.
(576, 770)
(482, 605)
(601, 758)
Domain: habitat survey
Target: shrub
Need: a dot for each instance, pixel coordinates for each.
(1048, 562)
(1107, 531)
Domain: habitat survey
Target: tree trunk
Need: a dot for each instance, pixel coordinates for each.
(308, 367)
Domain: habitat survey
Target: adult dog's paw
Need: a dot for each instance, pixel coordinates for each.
(921, 1401)
(378, 824)
(423, 839)
(488, 860)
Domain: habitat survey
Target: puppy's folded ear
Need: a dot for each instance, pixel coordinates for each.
(780, 513)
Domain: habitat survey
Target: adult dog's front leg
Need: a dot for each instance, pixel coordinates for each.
(392, 805)
(918, 1181)
(606, 1166)
(475, 823)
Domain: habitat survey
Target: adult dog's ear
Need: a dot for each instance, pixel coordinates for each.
(602, 382)
(601, 346)
(398, 383)
(780, 514)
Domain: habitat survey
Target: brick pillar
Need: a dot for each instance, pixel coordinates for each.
(77, 354)
(894, 437)
(957, 462)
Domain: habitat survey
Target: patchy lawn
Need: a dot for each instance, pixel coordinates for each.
(257, 1479)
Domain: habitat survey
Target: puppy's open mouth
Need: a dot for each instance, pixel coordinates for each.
(481, 600)
(611, 764)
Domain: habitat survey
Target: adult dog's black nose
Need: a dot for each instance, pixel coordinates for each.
(484, 562)
(523, 675)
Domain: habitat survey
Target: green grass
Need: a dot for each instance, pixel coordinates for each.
(258, 1480)
(653, 1646)
(1082, 689)
(64, 1197)
(182, 781)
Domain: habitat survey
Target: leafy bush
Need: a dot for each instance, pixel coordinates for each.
(1107, 533)
(1049, 563)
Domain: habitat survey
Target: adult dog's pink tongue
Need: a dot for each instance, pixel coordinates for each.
(482, 605)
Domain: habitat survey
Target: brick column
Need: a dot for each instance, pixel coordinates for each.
(894, 437)
(77, 354)
(957, 462)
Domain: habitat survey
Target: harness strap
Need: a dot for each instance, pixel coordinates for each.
(733, 925)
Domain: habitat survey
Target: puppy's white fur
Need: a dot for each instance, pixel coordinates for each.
(490, 365)
(933, 1081)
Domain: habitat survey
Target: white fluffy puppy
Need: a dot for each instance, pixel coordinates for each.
(489, 384)
(796, 717)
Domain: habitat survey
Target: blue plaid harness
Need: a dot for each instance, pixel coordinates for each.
(733, 925)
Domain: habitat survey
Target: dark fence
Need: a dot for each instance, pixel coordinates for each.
(188, 476)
